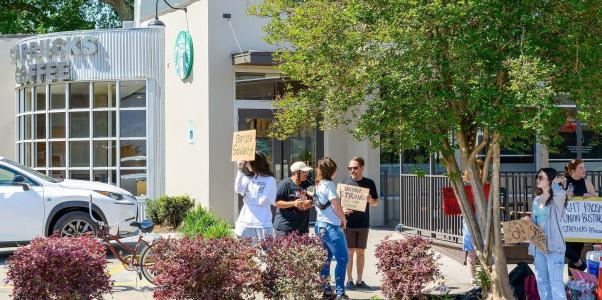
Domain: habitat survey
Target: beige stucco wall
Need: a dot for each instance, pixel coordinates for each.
(203, 170)
(7, 96)
(206, 99)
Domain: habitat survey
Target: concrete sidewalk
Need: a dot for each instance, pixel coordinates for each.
(127, 286)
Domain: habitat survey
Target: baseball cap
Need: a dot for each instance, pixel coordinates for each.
(300, 166)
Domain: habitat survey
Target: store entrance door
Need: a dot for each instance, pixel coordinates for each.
(306, 145)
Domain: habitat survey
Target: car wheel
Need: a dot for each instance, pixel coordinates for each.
(75, 224)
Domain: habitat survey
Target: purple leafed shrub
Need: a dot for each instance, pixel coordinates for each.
(205, 269)
(292, 267)
(59, 268)
(406, 265)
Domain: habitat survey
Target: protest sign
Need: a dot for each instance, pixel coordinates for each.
(353, 197)
(243, 145)
(451, 207)
(582, 221)
(524, 230)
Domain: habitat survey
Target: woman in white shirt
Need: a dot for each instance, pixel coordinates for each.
(256, 183)
(329, 224)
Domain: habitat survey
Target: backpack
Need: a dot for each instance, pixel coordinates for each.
(517, 280)
(531, 288)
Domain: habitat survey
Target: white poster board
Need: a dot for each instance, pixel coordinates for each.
(582, 221)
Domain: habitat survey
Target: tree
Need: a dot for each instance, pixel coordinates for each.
(44, 16)
(464, 77)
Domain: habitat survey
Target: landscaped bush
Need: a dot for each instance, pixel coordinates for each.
(406, 265)
(204, 223)
(169, 210)
(59, 268)
(292, 267)
(205, 269)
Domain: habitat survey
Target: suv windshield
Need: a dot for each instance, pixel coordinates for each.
(30, 171)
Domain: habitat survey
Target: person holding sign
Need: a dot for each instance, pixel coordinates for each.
(292, 212)
(256, 183)
(328, 226)
(577, 185)
(547, 210)
(358, 222)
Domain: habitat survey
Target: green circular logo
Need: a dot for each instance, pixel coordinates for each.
(183, 54)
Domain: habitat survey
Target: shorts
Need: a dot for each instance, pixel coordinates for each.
(356, 237)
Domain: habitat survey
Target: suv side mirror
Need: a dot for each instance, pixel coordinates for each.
(19, 180)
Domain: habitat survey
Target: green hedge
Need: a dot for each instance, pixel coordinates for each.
(169, 210)
(204, 223)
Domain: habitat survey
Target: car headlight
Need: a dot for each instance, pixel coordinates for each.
(111, 195)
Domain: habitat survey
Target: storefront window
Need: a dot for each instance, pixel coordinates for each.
(132, 94)
(57, 96)
(79, 95)
(104, 94)
(261, 86)
(57, 139)
(40, 97)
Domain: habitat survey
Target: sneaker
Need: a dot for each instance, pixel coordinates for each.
(350, 285)
(361, 285)
(328, 295)
(342, 297)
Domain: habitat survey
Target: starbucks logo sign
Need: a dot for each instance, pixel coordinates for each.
(183, 54)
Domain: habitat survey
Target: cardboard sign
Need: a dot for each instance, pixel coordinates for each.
(243, 145)
(524, 230)
(353, 197)
(582, 221)
(451, 207)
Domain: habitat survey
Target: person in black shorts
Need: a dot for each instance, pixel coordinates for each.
(358, 222)
(292, 213)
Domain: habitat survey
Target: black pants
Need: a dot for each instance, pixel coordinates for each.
(573, 253)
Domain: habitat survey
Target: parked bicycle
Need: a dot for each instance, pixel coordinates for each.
(132, 261)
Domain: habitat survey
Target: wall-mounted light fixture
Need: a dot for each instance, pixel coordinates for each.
(156, 21)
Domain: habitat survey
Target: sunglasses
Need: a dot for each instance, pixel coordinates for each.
(353, 168)
(541, 178)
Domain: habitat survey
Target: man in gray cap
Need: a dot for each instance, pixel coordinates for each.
(292, 213)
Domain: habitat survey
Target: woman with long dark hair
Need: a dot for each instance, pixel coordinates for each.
(329, 223)
(256, 183)
(577, 185)
(547, 210)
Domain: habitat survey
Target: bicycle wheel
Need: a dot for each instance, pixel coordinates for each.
(147, 259)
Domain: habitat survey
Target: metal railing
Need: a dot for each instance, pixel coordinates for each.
(389, 194)
(421, 202)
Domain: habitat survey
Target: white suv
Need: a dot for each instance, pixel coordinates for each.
(33, 204)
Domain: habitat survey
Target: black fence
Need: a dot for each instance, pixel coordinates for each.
(421, 202)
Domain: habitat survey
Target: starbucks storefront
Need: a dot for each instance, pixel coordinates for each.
(89, 106)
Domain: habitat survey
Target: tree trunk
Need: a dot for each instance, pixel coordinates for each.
(502, 289)
(123, 8)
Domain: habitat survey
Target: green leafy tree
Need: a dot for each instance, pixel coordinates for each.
(44, 16)
(464, 77)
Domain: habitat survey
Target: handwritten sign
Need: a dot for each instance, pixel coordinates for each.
(524, 230)
(243, 145)
(582, 221)
(353, 197)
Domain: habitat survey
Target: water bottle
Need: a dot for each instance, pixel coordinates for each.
(569, 190)
(592, 259)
